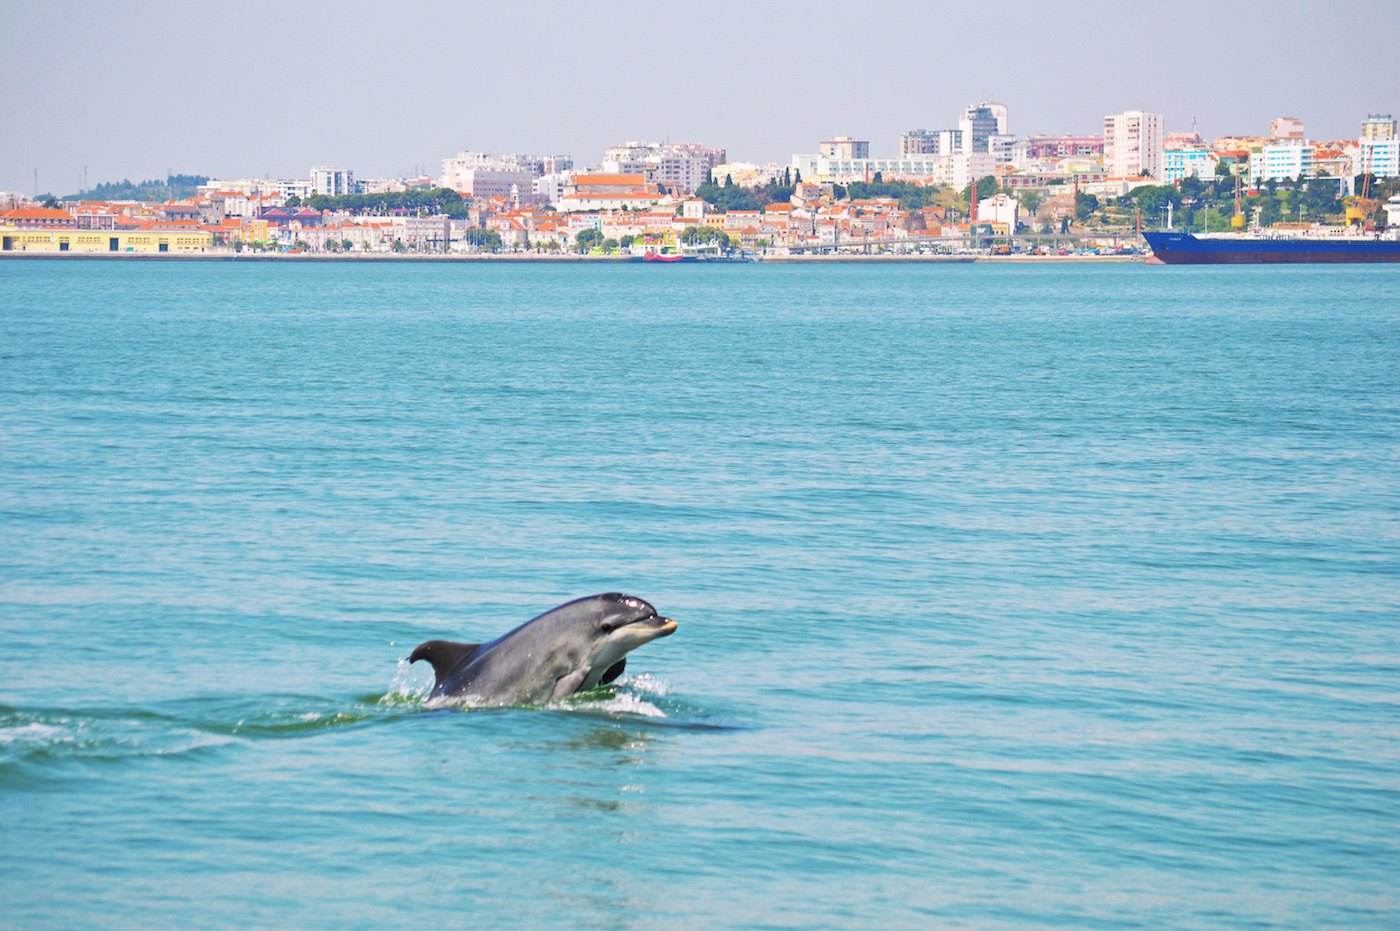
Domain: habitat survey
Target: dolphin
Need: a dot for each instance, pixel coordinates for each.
(570, 649)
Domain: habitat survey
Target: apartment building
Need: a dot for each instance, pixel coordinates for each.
(1188, 162)
(1281, 161)
(1132, 144)
(332, 182)
(677, 167)
(481, 174)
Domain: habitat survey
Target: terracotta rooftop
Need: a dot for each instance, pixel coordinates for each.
(37, 213)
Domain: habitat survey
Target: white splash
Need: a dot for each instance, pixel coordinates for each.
(646, 682)
(34, 732)
(409, 685)
(619, 703)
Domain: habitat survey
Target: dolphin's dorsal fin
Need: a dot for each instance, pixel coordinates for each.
(444, 655)
(614, 671)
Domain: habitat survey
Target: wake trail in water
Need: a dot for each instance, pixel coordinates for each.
(37, 739)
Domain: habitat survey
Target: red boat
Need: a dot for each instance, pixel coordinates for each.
(658, 257)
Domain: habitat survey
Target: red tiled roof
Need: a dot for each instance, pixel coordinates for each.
(37, 213)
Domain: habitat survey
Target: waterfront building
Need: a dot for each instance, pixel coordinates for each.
(1133, 144)
(1379, 148)
(1281, 161)
(1188, 162)
(1000, 208)
(1380, 157)
(149, 237)
(38, 218)
(94, 215)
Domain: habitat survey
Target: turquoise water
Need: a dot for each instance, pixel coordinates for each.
(1008, 597)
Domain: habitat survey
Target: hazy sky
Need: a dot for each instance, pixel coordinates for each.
(133, 90)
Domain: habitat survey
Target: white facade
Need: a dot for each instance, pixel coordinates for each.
(999, 208)
(1191, 162)
(1132, 144)
(1392, 211)
(956, 170)
(260, 187)
(1380, 157)
(844, 147)
(1281, 161)
(480, 174)
(332, 182)
(550, 187)
(678, 166)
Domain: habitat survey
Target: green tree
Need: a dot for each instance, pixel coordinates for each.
(610, 246)
(586, 240)
(727, 197)
(626, 241)
(1030, 200)
(490, 240)
(986, 187)
(1152, 199)
(1084, 205)
(911, 196)
(293, 201)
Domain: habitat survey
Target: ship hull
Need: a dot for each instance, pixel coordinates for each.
(1175, 248)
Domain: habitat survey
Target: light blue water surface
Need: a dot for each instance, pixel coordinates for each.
(1008, 597)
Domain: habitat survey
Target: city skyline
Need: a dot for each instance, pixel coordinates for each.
(99, 94)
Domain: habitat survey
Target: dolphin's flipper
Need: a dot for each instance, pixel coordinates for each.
(444, 655)
(614, 671)
(568, 685)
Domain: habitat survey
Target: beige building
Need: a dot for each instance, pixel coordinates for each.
(1133, 144)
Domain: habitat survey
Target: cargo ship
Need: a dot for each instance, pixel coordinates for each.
(1174, 247)
(1254, 247)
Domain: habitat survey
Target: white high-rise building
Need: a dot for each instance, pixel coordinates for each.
(332, 182)
(1132, 144)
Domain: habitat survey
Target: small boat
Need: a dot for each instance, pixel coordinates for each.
(658, 257)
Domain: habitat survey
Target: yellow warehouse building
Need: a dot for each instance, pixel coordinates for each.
(76, 240)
